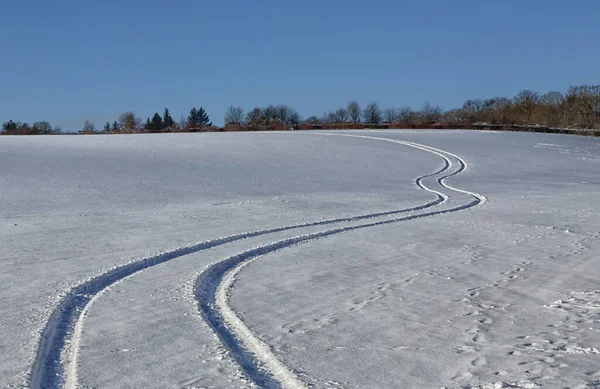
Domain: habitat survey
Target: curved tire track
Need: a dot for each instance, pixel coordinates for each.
(255, 357)
(55, 362)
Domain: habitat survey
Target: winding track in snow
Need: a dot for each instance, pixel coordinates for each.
(56, 359)
(255, 357)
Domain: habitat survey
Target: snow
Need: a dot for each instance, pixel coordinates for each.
(300, 259)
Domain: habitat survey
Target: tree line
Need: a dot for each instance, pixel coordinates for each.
(127, 122)
(38, 128)
(578, 107)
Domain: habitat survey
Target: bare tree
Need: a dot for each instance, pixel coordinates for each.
(329, 117)
(254, 116)
(406, 114)
(313, 120)
(42, 128)
(372, 113)
(88, 127)
(285, 114)
(553, 98)
(579, 106)
(473, 105)
(594, 97)
(489, 107)
(494, 107)
(354, 111)
(128, 121)
(234, 116)
(456, 115)
(431, 113)
(472, 109)
(294, 119)
(181, 123)
(260, 119)
(291, 117)
(527, 101)
(584, 104)
(503, 102)
(391, 115)
(339, 116)
(270, 113)
(553, 104)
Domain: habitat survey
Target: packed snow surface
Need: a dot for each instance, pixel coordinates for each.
(357, 259)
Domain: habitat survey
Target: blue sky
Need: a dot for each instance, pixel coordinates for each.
(68, 61)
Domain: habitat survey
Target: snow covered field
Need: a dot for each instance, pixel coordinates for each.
(363, 259)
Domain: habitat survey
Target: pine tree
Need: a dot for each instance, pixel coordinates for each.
(202, 118)
(157, 123)
(192, 120)
(167, 119)
(107, 127)
(115, 127)
(148, 125)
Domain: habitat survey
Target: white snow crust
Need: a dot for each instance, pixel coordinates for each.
(362, 259)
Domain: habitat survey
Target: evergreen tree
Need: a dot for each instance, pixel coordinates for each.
(198, 118)
(157, 123)
(148, 125)
(202, 118)
(192, 120)
(106, 127)
(115, 127)
(167, 119)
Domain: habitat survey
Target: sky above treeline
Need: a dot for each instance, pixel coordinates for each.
(70, 61)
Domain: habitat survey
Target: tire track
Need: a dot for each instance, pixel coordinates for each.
(463, 164)
(56, 358)
(254, 356)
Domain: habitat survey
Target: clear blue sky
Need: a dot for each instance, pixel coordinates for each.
(68, 61)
